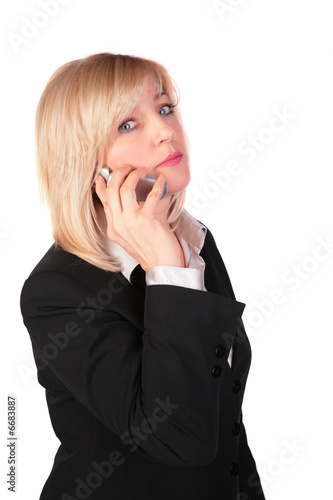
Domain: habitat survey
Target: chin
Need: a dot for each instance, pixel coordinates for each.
(176, 180)
(176, 185)
(173, 189)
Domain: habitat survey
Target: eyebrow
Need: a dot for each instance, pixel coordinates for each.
(157, 96)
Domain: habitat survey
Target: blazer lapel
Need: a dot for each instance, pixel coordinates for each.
(216, 276)
(217, 281)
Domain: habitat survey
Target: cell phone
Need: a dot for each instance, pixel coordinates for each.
(143, 188)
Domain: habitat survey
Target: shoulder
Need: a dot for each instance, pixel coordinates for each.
(60, 278)
(51, 277)
(58, 259)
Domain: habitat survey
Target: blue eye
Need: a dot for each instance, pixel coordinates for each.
(125, 127)
(170, 106)
(165, 110)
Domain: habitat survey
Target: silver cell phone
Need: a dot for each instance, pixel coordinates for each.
(143, 187)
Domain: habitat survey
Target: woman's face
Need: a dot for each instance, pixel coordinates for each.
(148, 136)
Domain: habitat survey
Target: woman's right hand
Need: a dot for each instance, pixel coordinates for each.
(136, 227)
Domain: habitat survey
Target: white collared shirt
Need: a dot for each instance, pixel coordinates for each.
(191, 235)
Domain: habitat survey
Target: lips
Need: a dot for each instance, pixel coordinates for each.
(171, 160)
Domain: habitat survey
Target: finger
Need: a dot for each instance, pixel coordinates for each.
(110, 198)
(127, 190)
(154, 196)
(100, 189)
(112, 191)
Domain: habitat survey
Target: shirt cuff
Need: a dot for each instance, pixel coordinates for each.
(177, 276)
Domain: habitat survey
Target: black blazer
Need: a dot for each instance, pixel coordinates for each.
(138, 387)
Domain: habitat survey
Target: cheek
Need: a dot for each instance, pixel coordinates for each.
(123, 155)
(182, 136)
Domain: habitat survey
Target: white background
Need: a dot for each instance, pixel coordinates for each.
(236, 65)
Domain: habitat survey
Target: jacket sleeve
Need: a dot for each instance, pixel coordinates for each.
(167, 377)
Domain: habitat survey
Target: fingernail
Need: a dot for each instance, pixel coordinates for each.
(96, 180)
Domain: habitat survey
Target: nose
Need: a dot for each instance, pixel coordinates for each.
(161, 130)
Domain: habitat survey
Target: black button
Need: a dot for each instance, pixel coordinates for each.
(220, 351)
(236, 386)
(234, 469)
(216, 371)
(236, 429)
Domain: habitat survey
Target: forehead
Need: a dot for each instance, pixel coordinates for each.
(151, 91)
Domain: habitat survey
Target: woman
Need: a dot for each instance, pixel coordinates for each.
(136, 333)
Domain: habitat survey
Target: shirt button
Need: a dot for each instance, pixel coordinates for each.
(216, 371)
(236, 386)
(234, 469)
(236, 429)
(220, 351)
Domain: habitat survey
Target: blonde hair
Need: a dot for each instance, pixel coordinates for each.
(83, 103)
